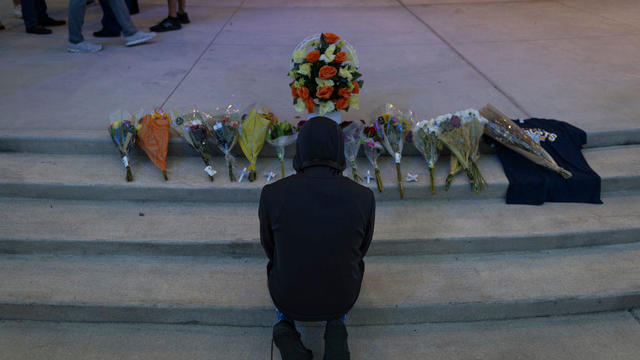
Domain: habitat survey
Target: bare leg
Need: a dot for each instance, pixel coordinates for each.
(172, 7)
(182, 4)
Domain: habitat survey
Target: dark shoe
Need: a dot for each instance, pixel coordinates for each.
(335, 341)
(39, 29)
(288, 341)
(51, 22)
(2, 26)
(106, 34)
(184, 18)
(168, 24)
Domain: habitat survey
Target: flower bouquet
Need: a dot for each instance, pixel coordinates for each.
(153, 137)
(252, 134)
(352, 131)
(394, 126)
(325, 77)
(223, 128)
(425, 139)
(461, 133)
(191, 126)
(123, 133)
(280, 135)
(502, 129)
(372, 143)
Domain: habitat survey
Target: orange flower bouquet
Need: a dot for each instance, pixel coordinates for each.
(325, 76)
(153, 137)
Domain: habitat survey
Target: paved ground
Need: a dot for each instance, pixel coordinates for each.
(574, 60)
(611, 336)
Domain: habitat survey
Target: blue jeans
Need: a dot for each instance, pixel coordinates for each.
(282, 317)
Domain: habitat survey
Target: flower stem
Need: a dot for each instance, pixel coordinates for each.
(206, 162)
(399, 174)
(433, 186)
(129, 174)
(379, 180)
(232, 178)
(356, 178)
(164, 174)
(282, 167)
(252, 175)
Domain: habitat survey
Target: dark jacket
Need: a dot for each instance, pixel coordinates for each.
(316, 227)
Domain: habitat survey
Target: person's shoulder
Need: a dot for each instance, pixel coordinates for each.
(363, 192)
(277, 186)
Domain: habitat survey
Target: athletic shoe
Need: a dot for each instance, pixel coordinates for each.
(51, 22)
(168, 24)
(83, 47)
(287, 339)
(184, 18)
(17, 11)
(138, 38)
(335, 341)
(39, 30)
(106, 34)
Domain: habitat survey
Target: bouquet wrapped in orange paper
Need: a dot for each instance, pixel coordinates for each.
(153, 137)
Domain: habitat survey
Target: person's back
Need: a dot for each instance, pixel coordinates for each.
(316, 227)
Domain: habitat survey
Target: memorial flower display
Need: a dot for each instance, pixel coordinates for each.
(425, 139)
(394, 125)
(123, 134)
(461, 133)
(252, 135)
(191, 126)
(324, 75)
(372, 145)
(505, 131)
(153, 137)
(352, 131)
(223, 128)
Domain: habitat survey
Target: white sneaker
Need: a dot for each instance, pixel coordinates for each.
(138, 38)
(83, 47)
(17, 11)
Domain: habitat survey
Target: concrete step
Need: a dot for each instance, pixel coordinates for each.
(73, 142)
(396, 290)
(584, 337)
(42, 226)
(101, 177)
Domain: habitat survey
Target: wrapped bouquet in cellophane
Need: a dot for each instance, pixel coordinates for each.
(153, 137)
(394, 126)
(252, 134)
(372, 146)
(123, 134)
(352, 131)
(425, 139)
(282, 134)
(223, 127)
(191, 126)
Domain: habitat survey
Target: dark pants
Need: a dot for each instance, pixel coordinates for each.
(109, 22)
(33, 11)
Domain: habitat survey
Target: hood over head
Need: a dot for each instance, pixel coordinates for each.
(320, 143)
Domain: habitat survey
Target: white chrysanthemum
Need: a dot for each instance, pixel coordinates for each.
(326, 107)
(345, 74)
(305, 69)
(300, 106)
(329, 55)
(299, 56)
(323, 83)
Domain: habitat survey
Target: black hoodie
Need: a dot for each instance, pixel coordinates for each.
(316, 227)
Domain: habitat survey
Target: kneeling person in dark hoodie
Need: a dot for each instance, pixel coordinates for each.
(315, 227)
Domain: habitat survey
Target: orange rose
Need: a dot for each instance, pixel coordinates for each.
(344, 92)
(356, 87)
(330, 38)
(324, 92)
(340, 57)
(309, 104)
(342, 103)
(294, 92)
(327, 72)
(303, 92)
(313, 56)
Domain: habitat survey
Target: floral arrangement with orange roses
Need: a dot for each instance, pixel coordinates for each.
(324, 73)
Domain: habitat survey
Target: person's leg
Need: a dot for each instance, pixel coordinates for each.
(173, 5)
(110, 26)
(335, 340)
(77, 10)
(29, 13)
(287, 339)
(121, 13)
(41, 10)
(171, 22)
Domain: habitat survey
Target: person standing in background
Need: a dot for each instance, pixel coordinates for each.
(177, 17)
(110, 26)
(36, 19)
(77, 10)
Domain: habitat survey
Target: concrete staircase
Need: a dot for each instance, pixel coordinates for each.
(79, 244)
